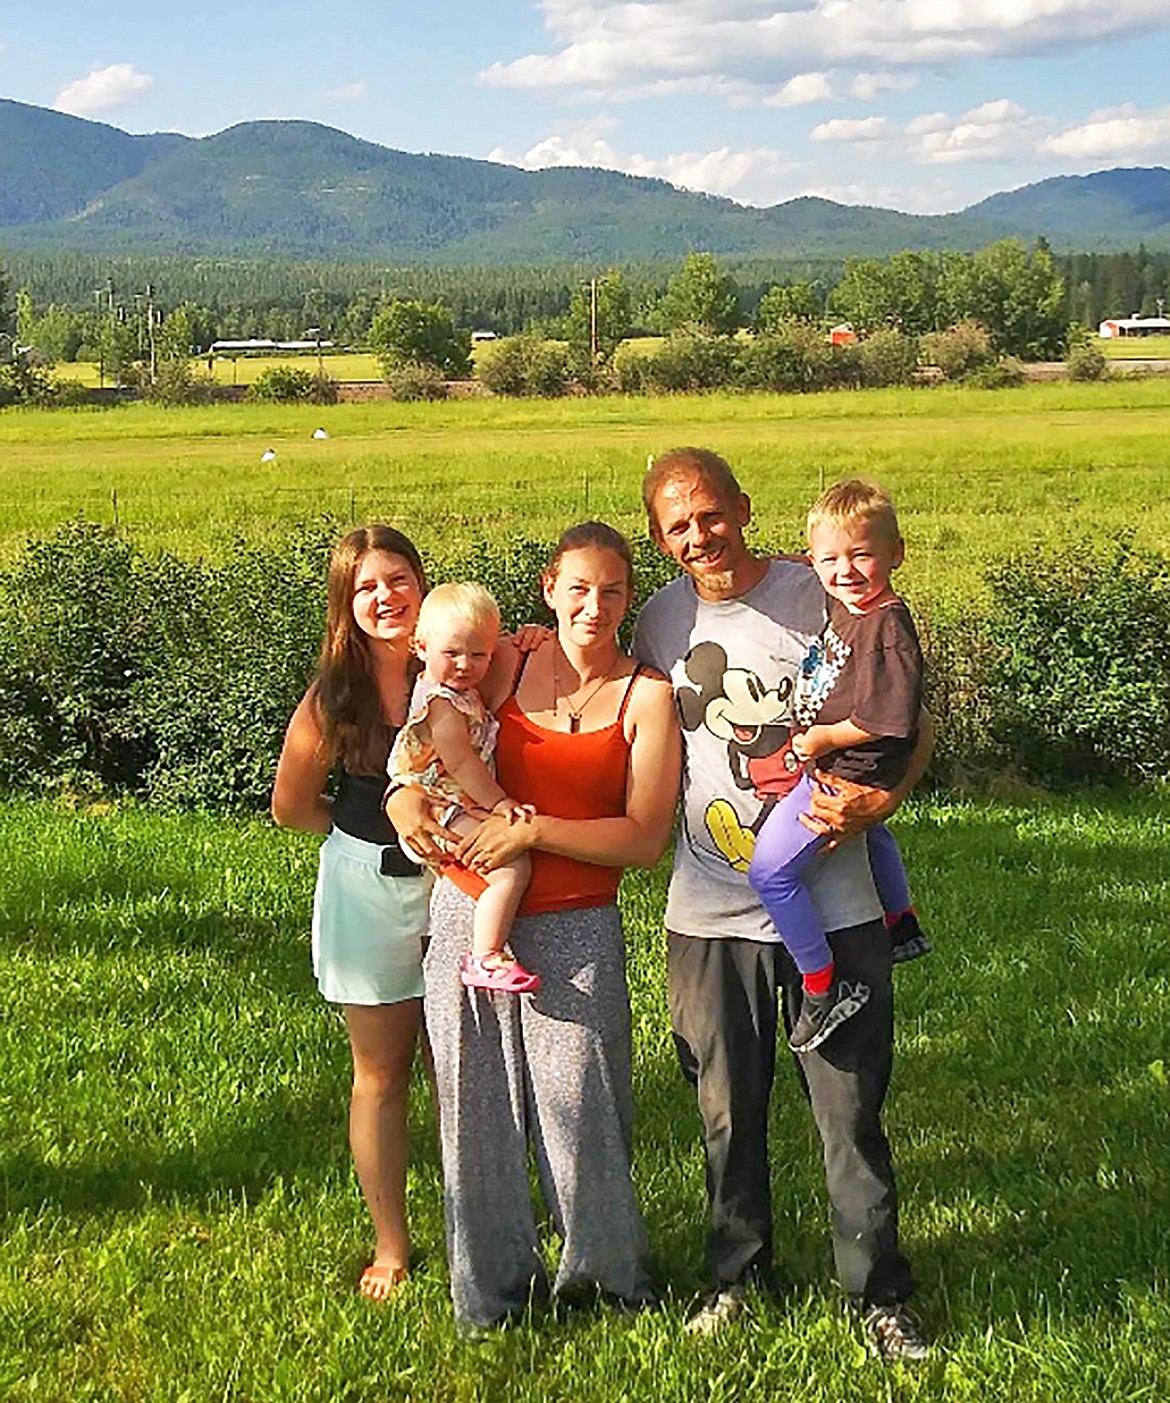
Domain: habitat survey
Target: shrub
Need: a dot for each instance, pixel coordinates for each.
(75, 639)
(526, 365)
(793, 356)
(175, 382)
(631, 368)
(68, 394)
(232, 648)
(1080, 689)
(887, 357)
(1007, 373)
(958, 349)
(691, 360)
(959, 658)
(412, 380)
(290, 384)
(23, 381)
(174, 680)
(1086, 361)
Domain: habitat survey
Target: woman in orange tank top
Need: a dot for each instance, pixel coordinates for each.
(591, 742)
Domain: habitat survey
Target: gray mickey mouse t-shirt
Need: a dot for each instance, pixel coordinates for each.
(734, 666)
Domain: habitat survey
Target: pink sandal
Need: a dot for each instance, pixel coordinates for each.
(506, 975)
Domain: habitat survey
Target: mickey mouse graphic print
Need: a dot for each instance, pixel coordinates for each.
(735, 666)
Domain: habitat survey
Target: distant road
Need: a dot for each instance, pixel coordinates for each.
(1056, 369)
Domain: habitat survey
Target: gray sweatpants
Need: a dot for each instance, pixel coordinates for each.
(552, 1068)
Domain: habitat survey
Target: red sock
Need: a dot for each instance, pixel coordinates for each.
(893, 917)
(818, 981)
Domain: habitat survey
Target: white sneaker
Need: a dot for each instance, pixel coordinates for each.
(717, 1310)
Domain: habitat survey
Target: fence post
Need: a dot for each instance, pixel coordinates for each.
(352, 516)
(114, 504)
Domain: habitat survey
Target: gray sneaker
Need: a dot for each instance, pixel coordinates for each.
(822, 1014)
(718, 1310)
(892, 1334)
(908, 941)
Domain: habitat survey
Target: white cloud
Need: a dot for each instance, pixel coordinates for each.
(350, 92)
(994, 131)
(753, 176)
(852, 129)
(801, 90)
(866, 86)
(113, 85)
(615, 47)
(1113, 134)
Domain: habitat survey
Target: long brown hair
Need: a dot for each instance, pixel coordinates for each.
(351, 711)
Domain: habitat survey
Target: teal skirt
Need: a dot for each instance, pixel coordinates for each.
(368, 930)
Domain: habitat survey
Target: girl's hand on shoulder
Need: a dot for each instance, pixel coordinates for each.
(529, 637)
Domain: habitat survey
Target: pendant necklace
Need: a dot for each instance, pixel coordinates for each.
(574, 711)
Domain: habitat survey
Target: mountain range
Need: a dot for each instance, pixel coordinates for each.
(294, 189)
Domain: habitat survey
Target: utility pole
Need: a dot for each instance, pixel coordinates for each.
(101, 346)
(150, 327)
(315, 332)
(117, 366)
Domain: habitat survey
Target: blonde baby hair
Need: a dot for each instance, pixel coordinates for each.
(464, 600)
(855, 503)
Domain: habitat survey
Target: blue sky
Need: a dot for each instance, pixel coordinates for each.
(921, 105)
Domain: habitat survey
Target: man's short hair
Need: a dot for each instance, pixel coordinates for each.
(679, 463)
(855, 503)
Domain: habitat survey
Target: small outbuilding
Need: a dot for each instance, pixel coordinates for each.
(1134, 326)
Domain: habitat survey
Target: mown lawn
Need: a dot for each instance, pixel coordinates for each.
(245, 370)
(975, 472)
(1135, 347)
(180, 1221)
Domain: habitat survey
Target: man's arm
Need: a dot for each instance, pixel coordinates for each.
(844, 809)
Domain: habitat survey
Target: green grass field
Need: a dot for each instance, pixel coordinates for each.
(975, 472)
(244, 370)
(180, 1221)
(1135, 347)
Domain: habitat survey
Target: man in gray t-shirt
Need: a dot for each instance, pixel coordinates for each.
(731, 634)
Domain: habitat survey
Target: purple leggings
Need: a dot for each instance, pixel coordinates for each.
(784, 849)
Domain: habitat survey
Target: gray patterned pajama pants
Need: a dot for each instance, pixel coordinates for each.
(551, 1069)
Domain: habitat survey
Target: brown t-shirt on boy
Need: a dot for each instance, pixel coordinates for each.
(867, 668)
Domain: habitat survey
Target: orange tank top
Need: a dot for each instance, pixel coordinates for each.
(565, 775)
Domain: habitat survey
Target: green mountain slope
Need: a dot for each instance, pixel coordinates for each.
(52, 164)
(301, 190)
(297, 189)
(1112, 208)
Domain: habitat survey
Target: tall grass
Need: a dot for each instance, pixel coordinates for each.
(180, 1220)
(973, 471)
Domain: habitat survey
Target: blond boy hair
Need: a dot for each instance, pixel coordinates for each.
(463, 600)
(848, 505)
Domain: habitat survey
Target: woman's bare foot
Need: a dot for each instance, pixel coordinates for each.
(380, 1280)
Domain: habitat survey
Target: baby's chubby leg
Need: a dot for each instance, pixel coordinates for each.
(495, 909)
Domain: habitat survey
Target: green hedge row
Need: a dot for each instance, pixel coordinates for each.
(128, 673)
